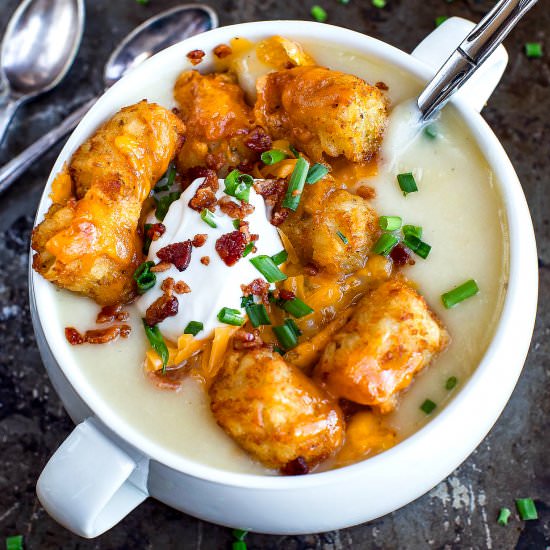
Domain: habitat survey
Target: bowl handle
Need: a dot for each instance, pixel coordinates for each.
(90, 483)
(438, 46)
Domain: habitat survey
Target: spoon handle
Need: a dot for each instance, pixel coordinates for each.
(8, 106)
(19, 164)
(471, 53)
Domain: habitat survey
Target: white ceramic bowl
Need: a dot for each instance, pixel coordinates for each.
(106, 467)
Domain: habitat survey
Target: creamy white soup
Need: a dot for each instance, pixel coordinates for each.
(460, 210)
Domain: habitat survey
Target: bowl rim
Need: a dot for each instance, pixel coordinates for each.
(519, 295)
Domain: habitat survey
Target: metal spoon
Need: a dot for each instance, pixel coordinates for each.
(154, 35)
(38, 49)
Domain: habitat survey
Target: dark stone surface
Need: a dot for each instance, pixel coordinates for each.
(513, 461)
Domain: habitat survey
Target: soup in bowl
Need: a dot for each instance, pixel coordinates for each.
(253, 282)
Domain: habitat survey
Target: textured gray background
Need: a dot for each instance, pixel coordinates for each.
(513, 461)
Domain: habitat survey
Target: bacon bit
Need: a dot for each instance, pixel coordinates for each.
(296, 467)
(199, 239)
(243, 339)
(160, 309)
(108, 314)
(97, 336)
(222, 50)
(279, 215)
(401, 256)
(311, 269)
(73, 336)
(382, 86)
(231, 246)
(160, 267)
(285, 294)
(167, 286)
(205, 195)
(271, 190)
(182, 288)
(366, 192)
(156, 231)
(205, 260)
(195, 56)
(245, 167)
(178, 254)
(258, 287)
(258, 140)
(234, 210)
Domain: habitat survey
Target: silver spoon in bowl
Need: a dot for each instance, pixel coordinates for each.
(152, 36)
(38, 49)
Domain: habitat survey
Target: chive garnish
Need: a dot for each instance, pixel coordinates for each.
(209, 218)
(248, 249)
(407, 183)
(294, 151)
(237, 224)
(193, 327)
(286, 336)
(503, 516)
(385, 244)
(296, 307)
(268, 268)
(230, 316)
(389, 223)
(533, 50)
(146, 239)
(379, 3)
(419, 247)
(342, 237)
(257, 315)
(239, 534)
(459, 294)
(14, 542)
(428, 406)
(451, 383)
(278, 350)
(163, 204)
(280, 258)
(157, 343)
(526, 509)
(273, 156)
(293, 326)
(167, 180)
(414, 230)
(247, 300)
(144, 277)
(319, 14)
(316, 172)
(296, 184)
(440, 20)
(238, 185)
(430, 131)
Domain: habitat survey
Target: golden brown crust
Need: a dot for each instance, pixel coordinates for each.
(274, 411)
(391, 336)
(89, 243)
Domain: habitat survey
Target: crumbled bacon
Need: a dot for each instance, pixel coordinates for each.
(366, 192)
(160, 267)
(231, 246)
(279, 215)
(222, 50)
(182, 288)
(156, 231)
(167, 286)
(401, 256)
(234, 210)
(199, 239)
(205, 195)
(97, 336)
(73, 336)
(285, 294)
(271, 190)
(244, 339)
(382, 86)
(195, 56)
(205, 260)
(178, 254)
(258, 140)
(108, 314)
(162, 308)
(258, 287)
(244, 229)
(296, 467)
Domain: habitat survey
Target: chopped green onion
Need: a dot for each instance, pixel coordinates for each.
(294, 151)
(430, 131)
(238, 185)
(281, 257)
(385, 244)
(293, 326)
(230, 316)
(242, 192)
(342, 237)
(257, 315)
(440, 20)
(248, 249)
(379, 3)
(503, 516)
(146, 239)
(273, 156)
(414, 230)
(428, 406)
(419, 247)
(319, 14)
(157, 343)
(14, 542)
(144, 277)
(286, 336)
(389, 223)
(533, 50)
(239, 545)
(526, 509)
(407, 183)
(268, 268)
(209, 218)
(296, 307)
(278, 350)
(239, 534)
(193, 327)
(459, 294)
(296, 184)
(167, 180)
(316, 172)
(237, 224)
(451, 383)
(247, 300)
(163, 204)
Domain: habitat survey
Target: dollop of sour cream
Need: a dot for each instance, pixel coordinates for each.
(216, 285)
